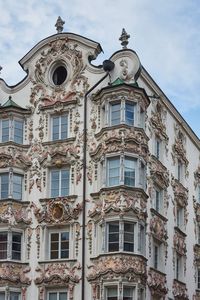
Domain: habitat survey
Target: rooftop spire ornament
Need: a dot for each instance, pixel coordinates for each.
(124, 38)
(59, 25)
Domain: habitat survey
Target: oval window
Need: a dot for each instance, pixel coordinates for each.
(59, 75)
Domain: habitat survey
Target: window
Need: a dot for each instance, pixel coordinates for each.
(59, 245)
(59, 182)
(121, 170)
(198, 279)
(180, 217)
(179, 171)
(122, 112)
(57, 295)
(11, 185)
(13, 251)
(12, 130)
(112, 293)
(158, 148)
(120, 239)
(157, 255)
(158, 200)
(179, 267)
(59, 75)
(59, 127)
(10, 295)
(198, 193)
(198, 234)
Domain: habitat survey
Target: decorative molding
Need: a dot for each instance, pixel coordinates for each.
(179, 243)
(56, 211)
(108, 267)
(15, 274)
(158, 228)
(157, 283)
(158, 173)
(119, 201)
(121, 138)
(58, 274)
(179, 290)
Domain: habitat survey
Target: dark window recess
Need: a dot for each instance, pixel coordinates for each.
(59, 75)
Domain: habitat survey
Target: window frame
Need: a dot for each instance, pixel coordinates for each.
(121, 235)
(139, 170)
(157, 261)
(11, 174)
(179, 267)
(9, 245)
(158, 203)
(122, 112)
(60, 187)
(158, 148)
(116, 285)
(11, 128)
(198, 278)
(60, 138)
(180, 211)
(58, 292)
(59, 232)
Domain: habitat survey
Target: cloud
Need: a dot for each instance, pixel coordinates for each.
(165, 34)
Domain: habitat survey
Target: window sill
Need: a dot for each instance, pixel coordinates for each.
(120, 253)
(119, 126)
(8, 143)
(61, 260)
(69, 139)
(12, 261)
(11, 200)
(180, 230)
(69, 197)
(159, 214)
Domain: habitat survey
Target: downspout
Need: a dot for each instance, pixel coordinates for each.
(107, 66)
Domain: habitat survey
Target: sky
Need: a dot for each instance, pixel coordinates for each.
(165, 35)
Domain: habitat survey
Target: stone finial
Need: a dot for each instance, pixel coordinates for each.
(59, 25)
(124, 38)
(0, 69)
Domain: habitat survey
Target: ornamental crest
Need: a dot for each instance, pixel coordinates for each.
(158, 228)
(58, 210)
(159, 173)
(179, 243)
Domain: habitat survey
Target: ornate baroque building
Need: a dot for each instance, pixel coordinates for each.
(99, 180)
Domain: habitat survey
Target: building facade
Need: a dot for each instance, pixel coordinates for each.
(99, 180)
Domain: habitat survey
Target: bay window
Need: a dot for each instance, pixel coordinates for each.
(12, 130)
(59, 127)
(60, 182)
(10, 245)
(11, 185)
(124, 170)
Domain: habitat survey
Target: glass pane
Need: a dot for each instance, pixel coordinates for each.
(113, 171)
(17, 187)
(18, 131)
(129, 114)
(52, 296)
(54, 251)
(55, 176)
(64, 182)
(113, 237)
(128, 293)
(115, 114)
(5, 130)
(62, 296)
(129, 172)
(55, 129)
(4, 185)
(55, 237)
(64, 127)
(16, 246)
(112, 293)
(2, 296)
(3, 245)
(14, 296)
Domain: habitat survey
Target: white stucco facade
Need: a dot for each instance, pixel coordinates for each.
(116, 217)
